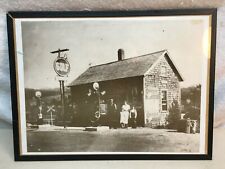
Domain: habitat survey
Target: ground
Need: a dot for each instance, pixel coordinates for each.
(113, 140)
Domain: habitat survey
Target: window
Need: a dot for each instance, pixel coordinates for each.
(163, 71)
(164, 83)
(164, 100)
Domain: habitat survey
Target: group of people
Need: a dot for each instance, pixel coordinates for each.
(115, 116)
(126, 115)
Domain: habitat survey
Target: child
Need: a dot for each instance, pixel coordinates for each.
(133, 116)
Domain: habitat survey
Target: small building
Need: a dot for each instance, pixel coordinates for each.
(148, 82)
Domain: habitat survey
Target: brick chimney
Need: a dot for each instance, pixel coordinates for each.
(121, 54)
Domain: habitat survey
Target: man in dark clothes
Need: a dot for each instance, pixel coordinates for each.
(113, 116)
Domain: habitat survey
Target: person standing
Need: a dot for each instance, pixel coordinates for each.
(188, 126)
(193, 126)
(133, 116)
(112, 109)
(124, 115)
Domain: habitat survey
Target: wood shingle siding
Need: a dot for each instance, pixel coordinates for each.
(158, 82)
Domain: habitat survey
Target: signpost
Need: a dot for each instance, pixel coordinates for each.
(97, 114)
(62, 69)
(51, 110)
(39, 104)
(97, 90)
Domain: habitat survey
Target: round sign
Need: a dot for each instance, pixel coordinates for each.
(95, 85)
(38, 94)
(61, 66)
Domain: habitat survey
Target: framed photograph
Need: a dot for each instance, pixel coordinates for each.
(119, 85)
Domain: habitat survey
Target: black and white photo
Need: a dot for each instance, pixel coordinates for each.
(114, 85)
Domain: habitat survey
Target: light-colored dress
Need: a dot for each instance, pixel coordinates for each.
(124, 114)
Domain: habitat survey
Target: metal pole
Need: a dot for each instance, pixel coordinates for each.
(51, 121)
(98, 100)
(61, 82)
(63, 102)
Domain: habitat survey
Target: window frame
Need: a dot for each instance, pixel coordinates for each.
(162, 104)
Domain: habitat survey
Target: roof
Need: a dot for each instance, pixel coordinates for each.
(131, 67)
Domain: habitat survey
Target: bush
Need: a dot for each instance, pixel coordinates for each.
(181, 125)
(174, 115)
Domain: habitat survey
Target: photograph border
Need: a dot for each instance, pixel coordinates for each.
(11, 16)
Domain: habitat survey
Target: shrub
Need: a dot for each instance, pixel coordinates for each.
(174, 115)
(181, 125)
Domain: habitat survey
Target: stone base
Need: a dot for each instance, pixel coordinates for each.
(90, 129)
(101, 128)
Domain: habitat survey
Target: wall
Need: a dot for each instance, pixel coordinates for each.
(154, 84)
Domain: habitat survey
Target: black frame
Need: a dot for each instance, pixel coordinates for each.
(11, 44)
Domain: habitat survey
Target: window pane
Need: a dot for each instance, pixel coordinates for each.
(164, 100)
(164, 107)
(164, 97)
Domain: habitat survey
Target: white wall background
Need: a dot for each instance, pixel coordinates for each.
(91, 5)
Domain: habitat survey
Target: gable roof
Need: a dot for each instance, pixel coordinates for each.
(131, 67)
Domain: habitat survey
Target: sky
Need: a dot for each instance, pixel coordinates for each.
(97, 40)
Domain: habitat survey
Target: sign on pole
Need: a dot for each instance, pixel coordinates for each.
(62, 69)
(61, 66)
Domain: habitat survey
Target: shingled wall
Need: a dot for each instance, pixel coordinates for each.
(155, 81)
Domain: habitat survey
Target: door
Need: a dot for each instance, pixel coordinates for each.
(151, 104)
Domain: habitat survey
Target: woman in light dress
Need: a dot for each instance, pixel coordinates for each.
(124, 115)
